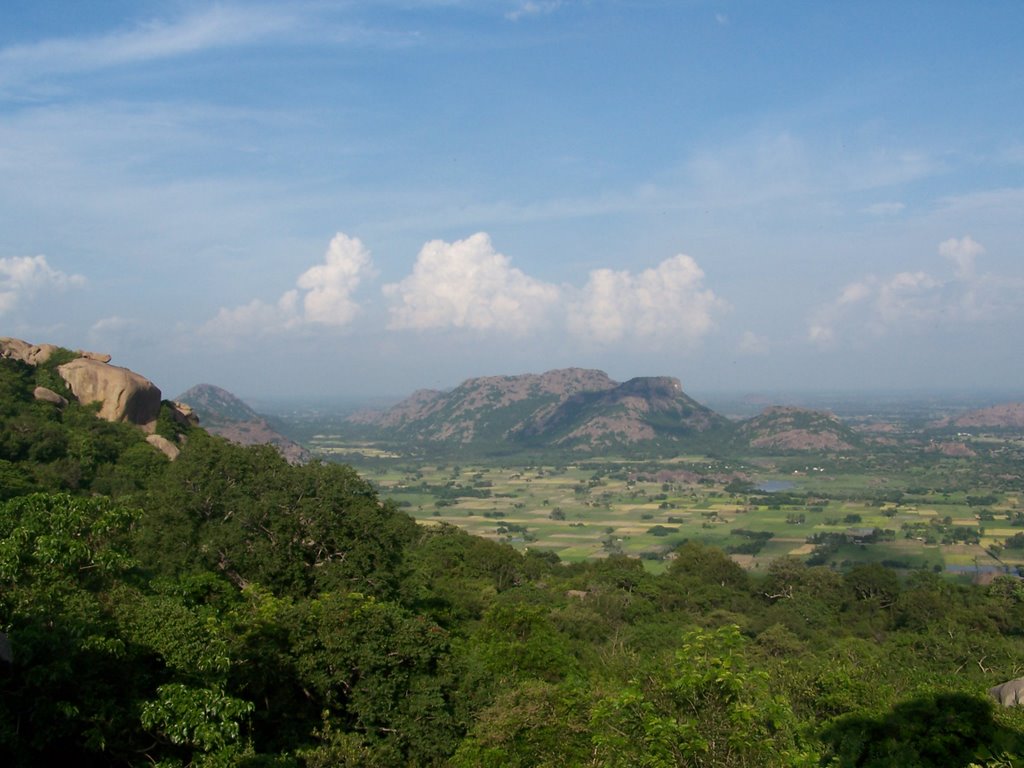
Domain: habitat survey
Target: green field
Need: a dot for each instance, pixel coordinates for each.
(645, 509)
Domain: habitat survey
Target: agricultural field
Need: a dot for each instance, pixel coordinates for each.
(645, 509)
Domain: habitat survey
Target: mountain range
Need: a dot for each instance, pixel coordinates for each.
(585, 411)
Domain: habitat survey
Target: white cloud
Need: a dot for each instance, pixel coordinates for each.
(722, 19)
(256, 318)
(215, 27)
(917, 301)
(22, 277)
(330, 285)
(533, 8)
(908, 297)
(667, 302)
(962, 253)
(467, 284)
(323, 296)
(877, 305)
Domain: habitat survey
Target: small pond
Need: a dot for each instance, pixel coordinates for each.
(774, 486)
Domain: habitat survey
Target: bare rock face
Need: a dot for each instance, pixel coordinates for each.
(123, 394)
(169, 449)
(48, 396)
(33, 354)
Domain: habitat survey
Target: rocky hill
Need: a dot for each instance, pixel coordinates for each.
(573, 408)
(785, 428)
(1005, 416)
(224, 414)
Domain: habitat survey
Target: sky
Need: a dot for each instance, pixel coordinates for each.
(351, 198)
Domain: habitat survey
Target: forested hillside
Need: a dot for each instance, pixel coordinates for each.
(230, 609)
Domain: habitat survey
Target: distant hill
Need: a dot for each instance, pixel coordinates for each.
(1005, 416)
(573, 408)
(785, 428)
(224, 414)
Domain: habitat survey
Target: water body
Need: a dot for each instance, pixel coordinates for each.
(774, 486)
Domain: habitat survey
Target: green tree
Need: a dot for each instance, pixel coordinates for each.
(708, 708)
(944, 730)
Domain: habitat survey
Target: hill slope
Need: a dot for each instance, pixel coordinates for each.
(573, 408)
(785, 428)
(224, 414)
(1004, 416)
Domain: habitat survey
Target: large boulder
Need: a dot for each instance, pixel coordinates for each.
(169, 449)
(123, 395)
(45, 395)
(184, 414)
(1010, 693)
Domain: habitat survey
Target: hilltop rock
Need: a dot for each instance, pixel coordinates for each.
(33, 354)
(123, 394)
(38, 354)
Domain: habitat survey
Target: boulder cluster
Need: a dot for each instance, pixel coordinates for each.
(122, 394)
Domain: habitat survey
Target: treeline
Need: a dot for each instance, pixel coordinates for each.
(228, 609)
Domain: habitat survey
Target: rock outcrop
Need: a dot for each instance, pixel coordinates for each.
(33, 354)
(123, 395)
(37, 354)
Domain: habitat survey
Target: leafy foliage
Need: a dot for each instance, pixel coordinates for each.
(229, 609)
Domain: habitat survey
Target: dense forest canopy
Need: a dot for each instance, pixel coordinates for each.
(228, 608)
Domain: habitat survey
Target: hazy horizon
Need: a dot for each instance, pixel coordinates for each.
(321, 199)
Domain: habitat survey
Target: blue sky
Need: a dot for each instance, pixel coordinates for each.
(364, 198)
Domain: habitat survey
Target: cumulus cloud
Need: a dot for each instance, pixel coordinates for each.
(329, 286)
(467, 284)
(916, 301)
(666, 302)
(323, 296)
(22, 277)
